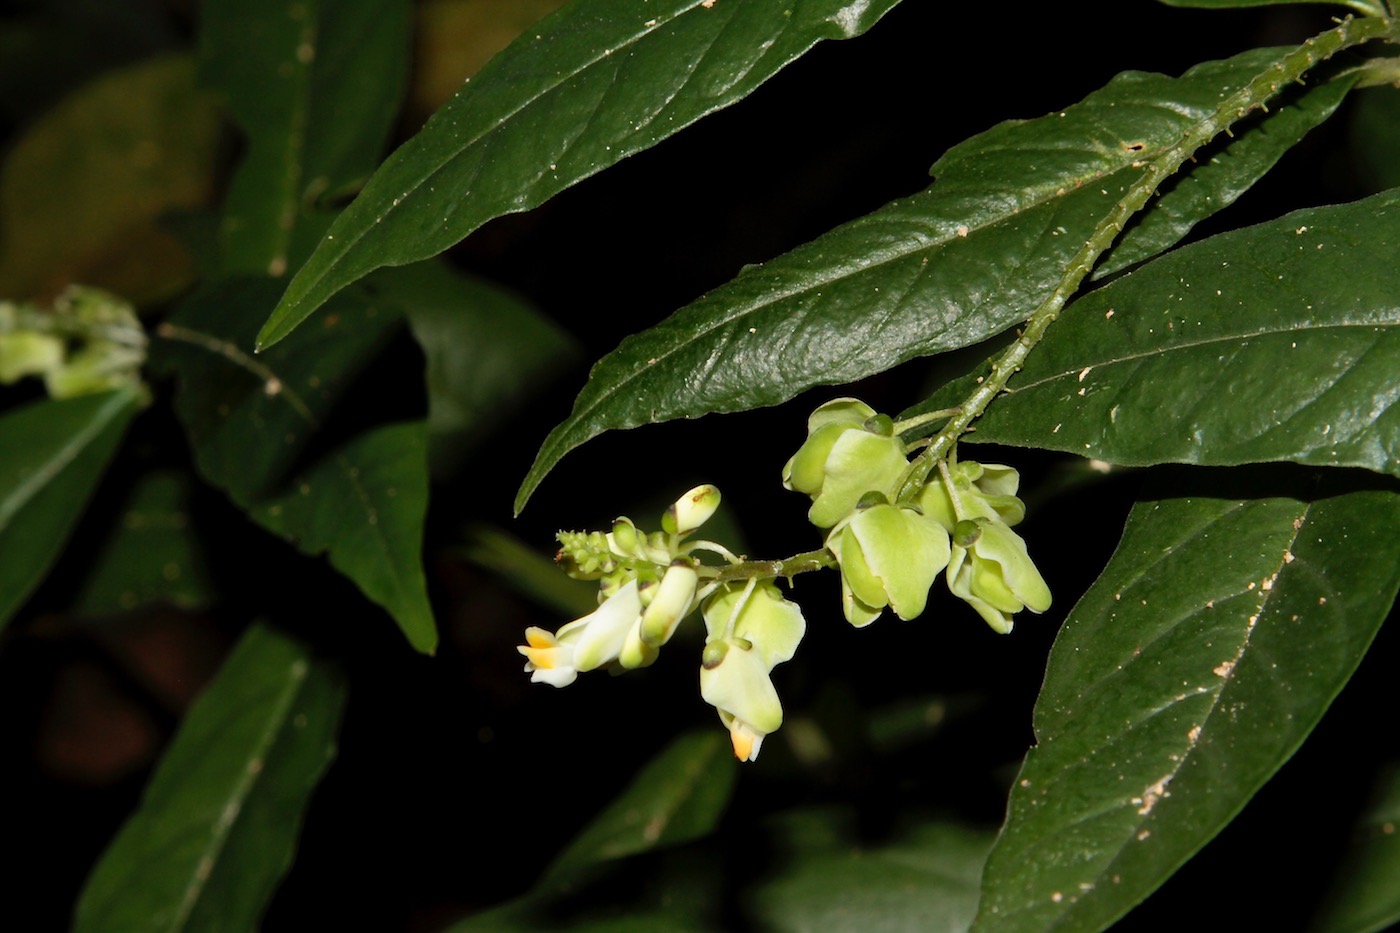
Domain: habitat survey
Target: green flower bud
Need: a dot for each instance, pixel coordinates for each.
(691, 510)
(984, 491)
(889, 557)
(26, 353)
(674, 596)
(626, 540)
(849, 451)
(994, 574)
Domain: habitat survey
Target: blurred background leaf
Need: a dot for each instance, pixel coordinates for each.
(151, 556)
(83, 190)
(315, 87)
(52, 456)
(218, 825)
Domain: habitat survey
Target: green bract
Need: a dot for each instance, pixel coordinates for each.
(990, 569)
(889, 556)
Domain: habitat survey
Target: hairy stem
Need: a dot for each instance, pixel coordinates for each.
(1253, 96)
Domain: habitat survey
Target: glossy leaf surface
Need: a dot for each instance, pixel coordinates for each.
(592, 84)
(1212, 643)
(218, 825)
(1277, 342)
(52, 455)
(971, 255)
(315, 86)
(250, 420)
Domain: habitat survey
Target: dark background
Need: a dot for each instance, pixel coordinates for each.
(457, 779)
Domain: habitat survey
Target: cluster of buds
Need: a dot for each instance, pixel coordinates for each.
(890, 534)
(891, 541)
(90, 341)
(648, 583)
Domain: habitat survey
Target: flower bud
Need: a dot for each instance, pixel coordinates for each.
(691, 510)
(994, 574)
(889, 557)
(672, 600)
(984, 491)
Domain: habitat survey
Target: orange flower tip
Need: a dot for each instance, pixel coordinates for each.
(538, 638)
(743, 741)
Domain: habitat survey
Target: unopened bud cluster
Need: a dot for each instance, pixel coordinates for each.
(890, 536)
(90, 341)
(892, 541)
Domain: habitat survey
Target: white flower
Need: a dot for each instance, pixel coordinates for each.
(583, 644)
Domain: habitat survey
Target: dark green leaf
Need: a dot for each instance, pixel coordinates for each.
(315, 87)
(151, 556)
(679, 796)
(249, 420)
(593, 83)
(218, 825)
(1278, 342)
(1367, 7)
(488, 351)
(927, 879)
(249, 417)
(83, 191)
(971, 255)
(52, 454)
(365, 505)
(1193, 668)
(1365, 894)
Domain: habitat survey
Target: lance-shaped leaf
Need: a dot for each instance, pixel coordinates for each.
(52, 455)
(250, 419)
(1365, 894)
(1213, 642)
(217, 828)
(591, 84)
(364, 506)
(966, 258)
(1277, 342)
(1367, 7)
(315, 87)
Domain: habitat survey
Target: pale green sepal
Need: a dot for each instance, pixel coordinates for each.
(859, 462)
(906, 551)
(891, 556)
(739, 685)
(805, 471)
(996, 576)
(772, 624)
(851, 410)
(1004, 546)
